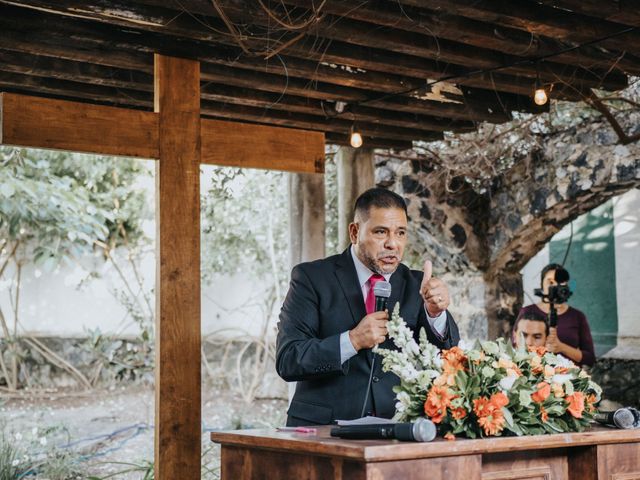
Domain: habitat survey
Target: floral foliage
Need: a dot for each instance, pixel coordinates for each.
(487, 388)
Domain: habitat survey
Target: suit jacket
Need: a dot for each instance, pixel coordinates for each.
(324, 300)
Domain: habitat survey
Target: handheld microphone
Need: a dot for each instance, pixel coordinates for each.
(382, 292)
(422, 430)
(621, 418)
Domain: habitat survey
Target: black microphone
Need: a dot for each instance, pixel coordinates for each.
(382, 292)
(620, 418)
(422, 430)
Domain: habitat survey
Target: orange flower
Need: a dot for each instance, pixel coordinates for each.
(499, 400)
(591, 399)
(544, 390)
(576, 404)
(482, 406)
(540, 351)
(492, 424)
(536, 365)
(543, 413)
(449, 436)
(453, 359)
(458, 413)
(438, 400)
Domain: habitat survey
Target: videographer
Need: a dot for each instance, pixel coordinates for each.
(571, 337)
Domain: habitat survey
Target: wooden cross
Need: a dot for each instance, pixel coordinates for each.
(180, 140)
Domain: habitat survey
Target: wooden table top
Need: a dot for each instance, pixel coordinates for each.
(321, 443)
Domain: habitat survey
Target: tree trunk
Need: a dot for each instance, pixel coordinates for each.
(306, 216)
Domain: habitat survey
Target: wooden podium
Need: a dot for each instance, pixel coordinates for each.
(599, 453)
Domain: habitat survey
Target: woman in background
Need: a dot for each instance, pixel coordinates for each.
(572, 336)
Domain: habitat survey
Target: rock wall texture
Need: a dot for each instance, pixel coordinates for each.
(480, 241)
(619, 380)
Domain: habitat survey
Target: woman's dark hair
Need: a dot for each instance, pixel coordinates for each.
(550, 267)
(379, 198)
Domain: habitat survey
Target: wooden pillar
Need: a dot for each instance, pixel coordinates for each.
(355, 175)
(306, 217)
(177, 405)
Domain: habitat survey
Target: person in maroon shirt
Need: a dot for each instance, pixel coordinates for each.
(572, 337)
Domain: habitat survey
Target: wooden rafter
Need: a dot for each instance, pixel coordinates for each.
(380, 58)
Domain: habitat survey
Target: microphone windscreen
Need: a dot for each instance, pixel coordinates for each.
(623, 418)
(382, 289)
(561, 276)
(422, 430)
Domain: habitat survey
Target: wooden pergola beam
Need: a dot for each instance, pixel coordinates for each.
(303, 61)
(81, 127)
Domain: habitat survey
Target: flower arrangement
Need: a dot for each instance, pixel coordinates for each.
(487, 389)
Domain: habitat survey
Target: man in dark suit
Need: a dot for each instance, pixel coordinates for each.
(327, 324)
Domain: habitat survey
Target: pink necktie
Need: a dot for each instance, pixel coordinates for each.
(370, 304)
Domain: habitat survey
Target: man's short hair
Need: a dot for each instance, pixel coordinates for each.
(379, 198)
(534, 317)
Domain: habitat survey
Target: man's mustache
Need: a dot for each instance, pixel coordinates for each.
(388, 253)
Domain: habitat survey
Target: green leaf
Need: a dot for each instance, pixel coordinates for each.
(488, 372)
(507, 416)
(524, 397)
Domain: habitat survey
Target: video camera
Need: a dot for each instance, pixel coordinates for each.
(557, 293)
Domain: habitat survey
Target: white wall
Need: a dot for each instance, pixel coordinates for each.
(53, 303)
(626, 214)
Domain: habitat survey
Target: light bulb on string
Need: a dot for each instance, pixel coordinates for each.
(540, 96)
(356, 138)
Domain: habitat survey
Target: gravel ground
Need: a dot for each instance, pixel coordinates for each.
(104, 427)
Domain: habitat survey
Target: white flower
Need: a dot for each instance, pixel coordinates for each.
(15, 463)
(559, 361)
(34, 431)
(43, 441)
(561, 378)
(507, 382)
(18, 436)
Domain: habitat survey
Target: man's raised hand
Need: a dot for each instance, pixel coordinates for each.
(434, 292)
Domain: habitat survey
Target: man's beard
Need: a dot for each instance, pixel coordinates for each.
(371, 264)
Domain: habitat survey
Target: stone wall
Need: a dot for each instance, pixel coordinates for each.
(619, 380)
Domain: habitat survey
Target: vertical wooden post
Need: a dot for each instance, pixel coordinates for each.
(177, 406)
(355, 175)
(306, 217)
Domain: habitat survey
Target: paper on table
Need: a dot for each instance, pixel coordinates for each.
(365, 421)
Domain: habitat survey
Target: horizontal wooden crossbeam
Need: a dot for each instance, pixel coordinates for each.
(36, 122)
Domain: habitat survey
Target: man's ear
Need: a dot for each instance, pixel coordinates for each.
(354, 228)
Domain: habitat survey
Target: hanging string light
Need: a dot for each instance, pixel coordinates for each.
(540, 96)
(356, 138)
